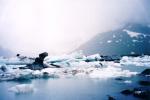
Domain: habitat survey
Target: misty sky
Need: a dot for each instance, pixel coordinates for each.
(60, 26)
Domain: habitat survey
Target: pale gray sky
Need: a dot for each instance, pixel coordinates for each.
(60, 26)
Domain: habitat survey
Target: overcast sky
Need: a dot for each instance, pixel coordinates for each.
(60, 26)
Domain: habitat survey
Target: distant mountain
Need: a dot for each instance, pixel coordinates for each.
(5, 52)
(129, 40)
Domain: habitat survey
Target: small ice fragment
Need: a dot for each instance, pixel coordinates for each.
(128, 81)
(114, 36)
(135, 40)
(109, 41)
(22, 88)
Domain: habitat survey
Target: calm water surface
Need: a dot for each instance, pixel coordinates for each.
(72, 88)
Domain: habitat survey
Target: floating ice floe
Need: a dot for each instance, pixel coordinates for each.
(108, 70)
(109, 41)
(22, 88)
(93, 57)
(77, 56)
(138, 61)
(74, 65)
(111, 72)
(128, 81)
(15, 60)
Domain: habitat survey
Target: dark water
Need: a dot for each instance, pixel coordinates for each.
(72, 88)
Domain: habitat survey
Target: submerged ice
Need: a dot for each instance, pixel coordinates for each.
(73, 65)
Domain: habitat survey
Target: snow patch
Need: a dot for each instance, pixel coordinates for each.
(132, 34)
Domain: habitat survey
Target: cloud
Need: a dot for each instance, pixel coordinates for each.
(60, 26)
(5, 52)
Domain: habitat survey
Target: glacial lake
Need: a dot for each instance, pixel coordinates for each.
(72, 88)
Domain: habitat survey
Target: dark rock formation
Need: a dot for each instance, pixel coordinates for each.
(119, 79)
(115, 42)
(38, 63)
(40, 59)
(3, 68)
(23, 67)
(146, 72)
(45, 75)
(55, 65)
(127, 92)
(74, 72)
(110, 97)
(139, 92)
(18, 55)
(144, 83)
(142, 93)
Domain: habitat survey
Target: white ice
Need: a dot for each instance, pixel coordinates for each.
(75, 65)
(22, 88)
(74, 56)
(15, 60)
(132, 34)
(109, 41)
(128, 81)
(137, 61)
(111, 71)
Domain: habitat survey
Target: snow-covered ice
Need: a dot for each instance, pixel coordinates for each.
(15, 60)
(74, 65)
(132, 34)
(74, 56)
(138, 61)
(93, 57)
(108, 70)
(135, 34)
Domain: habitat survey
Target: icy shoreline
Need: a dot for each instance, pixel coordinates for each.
(74, 65)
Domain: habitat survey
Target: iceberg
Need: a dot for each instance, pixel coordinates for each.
(15, 60)
(74, 65)
(16, 74)
(128, 81)
(22, 88)
(111, 72)
(74, 56)
(93, 57)
(138, 61)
